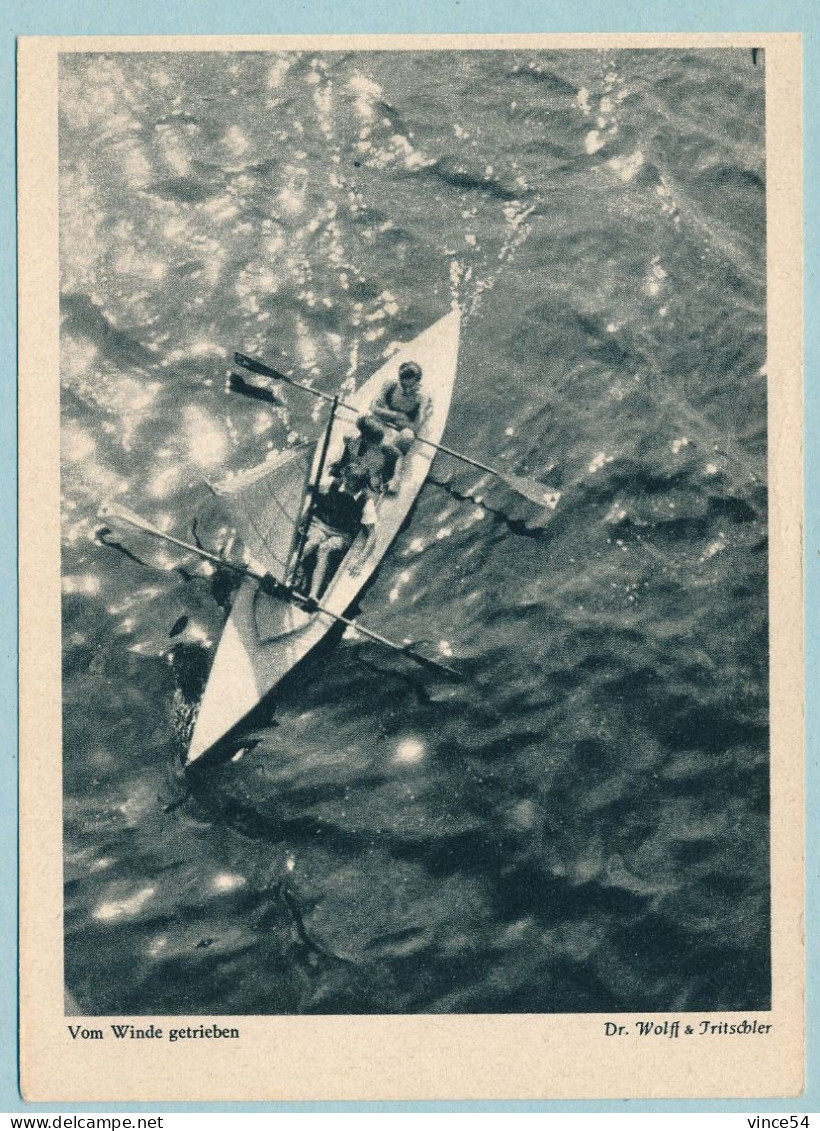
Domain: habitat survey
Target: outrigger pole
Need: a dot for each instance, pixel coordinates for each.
(272, 585)
(531, 490)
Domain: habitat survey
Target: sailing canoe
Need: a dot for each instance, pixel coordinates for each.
(264, 638)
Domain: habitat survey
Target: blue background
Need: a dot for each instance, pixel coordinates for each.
(56, 17)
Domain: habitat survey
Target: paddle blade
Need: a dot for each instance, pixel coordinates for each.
(426, 662)
(238, 384)
(254, 366)
(119, 513)
(532, 490)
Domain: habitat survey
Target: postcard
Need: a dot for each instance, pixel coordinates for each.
(411, 627)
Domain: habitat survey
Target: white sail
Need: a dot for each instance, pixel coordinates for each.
(265, 503)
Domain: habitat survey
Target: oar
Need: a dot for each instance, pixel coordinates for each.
(273, 586)
(530, 489)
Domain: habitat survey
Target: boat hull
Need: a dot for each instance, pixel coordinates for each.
(264, 638)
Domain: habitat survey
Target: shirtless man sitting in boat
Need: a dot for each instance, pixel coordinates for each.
(369, 452)
(403, 407)
(346, 504)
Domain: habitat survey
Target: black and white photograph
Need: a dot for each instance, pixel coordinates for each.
(414, 531)
(410, 662)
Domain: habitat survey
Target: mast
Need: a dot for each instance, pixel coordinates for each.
(313, 491)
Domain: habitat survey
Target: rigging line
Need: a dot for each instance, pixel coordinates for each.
(294, 520)
(248, 513)
(264, 536)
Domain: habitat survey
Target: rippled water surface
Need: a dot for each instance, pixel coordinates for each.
(582, 823)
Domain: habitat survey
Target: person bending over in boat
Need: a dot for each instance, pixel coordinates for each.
(340, 511)
(403, 407)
